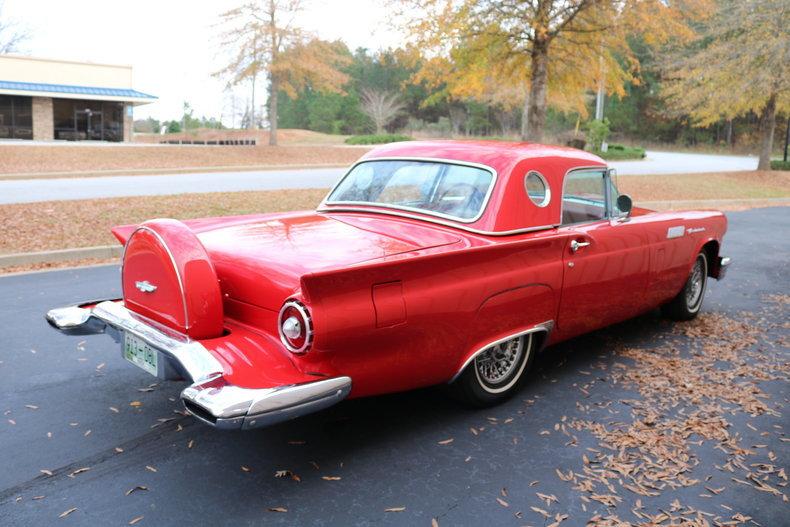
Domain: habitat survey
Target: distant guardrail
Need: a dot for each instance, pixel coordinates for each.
(217, 142)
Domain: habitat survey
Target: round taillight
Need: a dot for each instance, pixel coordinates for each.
(295, 326)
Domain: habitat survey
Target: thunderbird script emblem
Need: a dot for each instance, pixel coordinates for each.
(145, 286)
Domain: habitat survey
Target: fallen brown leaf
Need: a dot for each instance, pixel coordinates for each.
(67, 512)
(136, 488)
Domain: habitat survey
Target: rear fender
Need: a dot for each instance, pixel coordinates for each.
(508, 314)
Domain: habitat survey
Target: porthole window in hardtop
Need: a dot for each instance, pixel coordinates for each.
(537, 188)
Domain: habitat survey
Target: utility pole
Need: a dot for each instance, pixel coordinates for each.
(599, 96)
(787, 137)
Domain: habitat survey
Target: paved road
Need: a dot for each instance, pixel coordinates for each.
(33, 190)
(385, 449)
(27, 191)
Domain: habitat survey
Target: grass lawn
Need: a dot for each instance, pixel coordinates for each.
(617, 152)
(67, 224)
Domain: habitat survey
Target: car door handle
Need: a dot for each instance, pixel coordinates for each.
(576, 245)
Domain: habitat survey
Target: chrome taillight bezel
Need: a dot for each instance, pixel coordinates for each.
(307, 324)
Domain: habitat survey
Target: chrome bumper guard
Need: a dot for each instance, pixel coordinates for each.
(724, 263)
(209, 398)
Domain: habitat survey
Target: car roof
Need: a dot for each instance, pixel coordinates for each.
(508, 209)
(498, 155)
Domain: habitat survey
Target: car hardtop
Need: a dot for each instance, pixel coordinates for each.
(508, 208)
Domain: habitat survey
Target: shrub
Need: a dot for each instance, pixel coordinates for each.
(376, 139)
(617, 152)
(597, 132)
(778, 164)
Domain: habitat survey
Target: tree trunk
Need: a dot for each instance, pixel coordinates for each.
(251, 124)
(525, 118)
(767, 126)
(538, 90)
(729, 133)
(273, 112)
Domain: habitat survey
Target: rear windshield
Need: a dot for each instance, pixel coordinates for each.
(443, 189)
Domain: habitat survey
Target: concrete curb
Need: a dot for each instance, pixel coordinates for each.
(60, 255)
(164, 171)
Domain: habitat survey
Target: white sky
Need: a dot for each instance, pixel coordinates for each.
(172, 43)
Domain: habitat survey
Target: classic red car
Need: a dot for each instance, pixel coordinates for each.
(428, 263)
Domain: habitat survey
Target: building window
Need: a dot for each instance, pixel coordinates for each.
(16, 117)
(77, 120)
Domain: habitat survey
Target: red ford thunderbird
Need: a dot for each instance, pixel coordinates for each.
(428, 263)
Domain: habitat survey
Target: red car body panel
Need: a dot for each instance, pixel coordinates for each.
(400, 301)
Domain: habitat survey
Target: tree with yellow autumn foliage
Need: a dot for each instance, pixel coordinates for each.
(261, 39)
(542, 51)
(740, 65)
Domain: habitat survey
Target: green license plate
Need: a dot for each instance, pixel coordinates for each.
(139, 353)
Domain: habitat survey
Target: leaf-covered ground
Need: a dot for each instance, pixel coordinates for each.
(649, 446)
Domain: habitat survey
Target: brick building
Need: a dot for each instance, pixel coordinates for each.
(46, 99)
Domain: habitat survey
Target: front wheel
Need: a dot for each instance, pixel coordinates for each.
(494, 374)
(686, 305)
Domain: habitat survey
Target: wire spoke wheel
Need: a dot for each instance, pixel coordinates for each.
(696, 283)
(499, 367)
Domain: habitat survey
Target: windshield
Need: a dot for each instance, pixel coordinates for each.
(433, 187)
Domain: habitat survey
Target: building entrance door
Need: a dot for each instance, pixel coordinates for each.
(89, 124)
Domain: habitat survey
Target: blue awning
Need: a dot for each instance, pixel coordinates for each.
(120, 93)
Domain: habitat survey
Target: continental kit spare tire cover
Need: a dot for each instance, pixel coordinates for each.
(168, 277)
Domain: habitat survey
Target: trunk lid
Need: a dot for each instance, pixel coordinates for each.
(261, 259)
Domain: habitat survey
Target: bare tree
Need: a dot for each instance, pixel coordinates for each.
(262, 38)
(381, 106)
(11, 33)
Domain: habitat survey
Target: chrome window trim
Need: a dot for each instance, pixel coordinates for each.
(373, 210)
(546, 326)
(494, 178)
(172, 261)
(546, 197)
(604, 171)
(308, 339)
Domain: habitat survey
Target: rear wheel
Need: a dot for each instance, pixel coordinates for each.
(687, 303)
(495, 373)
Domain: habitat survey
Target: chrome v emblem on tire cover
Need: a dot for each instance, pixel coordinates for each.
(145, 286)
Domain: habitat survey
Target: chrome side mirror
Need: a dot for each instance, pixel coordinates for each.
(625, 204)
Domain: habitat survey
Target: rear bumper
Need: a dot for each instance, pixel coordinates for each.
(209, 398)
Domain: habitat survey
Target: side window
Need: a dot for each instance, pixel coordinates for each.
(584, 197)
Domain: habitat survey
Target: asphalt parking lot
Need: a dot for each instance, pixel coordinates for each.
(642, 421)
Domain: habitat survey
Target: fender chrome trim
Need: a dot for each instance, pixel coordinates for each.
(543, 326)
(210, 398)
